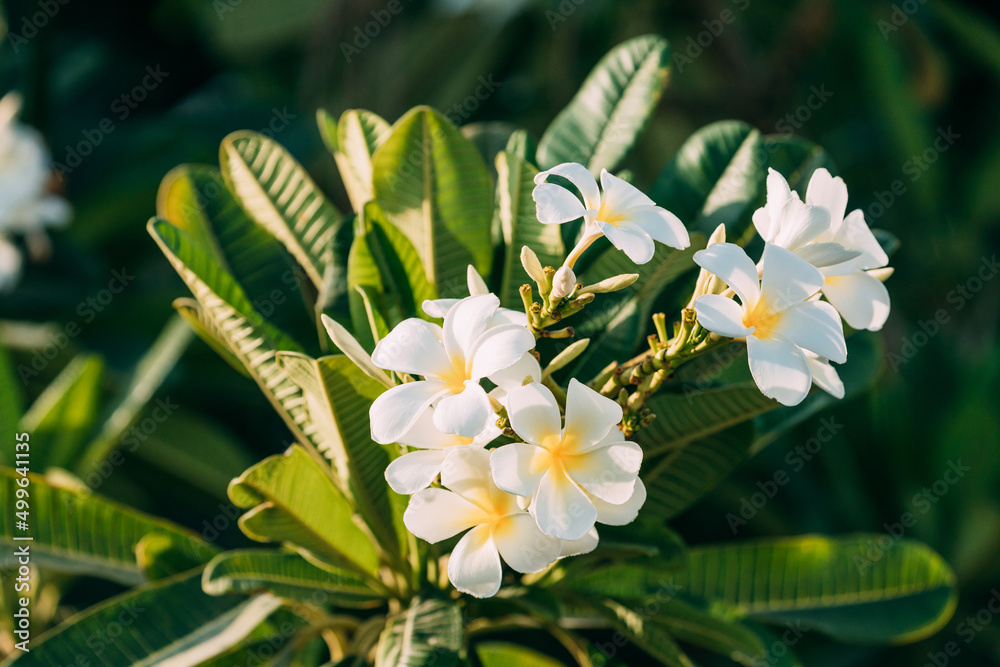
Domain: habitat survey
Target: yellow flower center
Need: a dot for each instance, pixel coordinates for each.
(764, 319)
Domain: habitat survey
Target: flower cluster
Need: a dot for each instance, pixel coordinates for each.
(810, 250)
(26, 206)
(522, 469)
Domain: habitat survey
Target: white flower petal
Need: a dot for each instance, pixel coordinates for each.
(815, 326)
(465, 414)
(414, 347)
(523, 546)
(437, 514)
(589, 416)
(474, 566)
(397, 410)
(826, 253)
(830, 193)
(621, 515)
(465, 322)
(660, 224)
(800, 224)
(722, 315)
(579, 176)
(786, 278)
(423, 434)
(584, 545)
(620, 195)
(518, 467)
(779, 368)
(555, 204)
(513, 377)
(466, 471)
(414, 471)
(630, 238)
(10, 264)
(861, 299)
(608, 472)
(778, 194)
(855, 233)
(499, 348)
(508, 316)
(825, 375)
(438, 308)
(561, 508)
(732, 264)
(534, 413)
(352, 349)
(477, 286)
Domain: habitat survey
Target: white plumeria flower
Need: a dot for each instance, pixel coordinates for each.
(414, 471)
(629, 219)
(843, 248)
(26, 205)
(777, 316)
(452, 360)
(574, 476)
(499, 527)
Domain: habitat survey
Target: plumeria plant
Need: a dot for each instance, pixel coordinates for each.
(504, 385)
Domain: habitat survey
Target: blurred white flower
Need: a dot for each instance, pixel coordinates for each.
(575, 475)
(414, 471)
(629, 219)
(844, 249)
(452, 360)
(26, 205)
(499, 527)
(777, 316)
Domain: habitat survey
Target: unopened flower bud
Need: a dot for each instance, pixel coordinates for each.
(612, 284)
(882, 274)
(563, 284)
(718, 236)
(529, 260)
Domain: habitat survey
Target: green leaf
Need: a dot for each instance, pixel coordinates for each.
(279, 195)
(353, 141)
(682, 476)
(234, 323)
(192, 313)
(504, 654)
(81, 533)
(603, 120)
(616, 323)
(851, 588)
(161, 555)
(60, 420)
(433, 185)
(429, 632)
(520, 227)
(171, 621)
(294, 501)
(644, 634)
(385, 265)
(286, 575)
(147, 376)
(698, 413)
(339, 396)
(690, 625)
(11, 406)
(195, 198)
(715, 178)
(796, 159)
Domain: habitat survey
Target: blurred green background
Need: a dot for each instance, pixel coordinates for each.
(903, 96)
